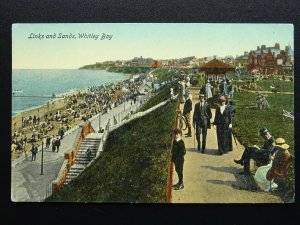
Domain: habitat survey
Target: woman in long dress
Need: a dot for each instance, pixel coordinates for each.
(208, 93)
(223, 121)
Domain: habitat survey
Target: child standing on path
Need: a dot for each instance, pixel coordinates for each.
(178, 152)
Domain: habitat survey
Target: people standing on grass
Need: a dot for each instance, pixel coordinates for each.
(178, 152)
(187, 108)
(223, 122)
(261, 155)
(201, 121)
(230, 89)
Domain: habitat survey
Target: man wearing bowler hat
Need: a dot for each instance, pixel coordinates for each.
(201, 119)
(261, 155)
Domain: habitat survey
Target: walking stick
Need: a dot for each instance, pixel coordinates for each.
(235, 141)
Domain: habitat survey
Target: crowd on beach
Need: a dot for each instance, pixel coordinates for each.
(78, 107)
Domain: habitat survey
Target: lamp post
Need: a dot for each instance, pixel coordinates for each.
(99, 122)
(42, 159)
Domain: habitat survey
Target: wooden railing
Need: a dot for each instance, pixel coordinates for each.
(70, 157)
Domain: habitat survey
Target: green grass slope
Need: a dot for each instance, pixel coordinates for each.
(133, 166)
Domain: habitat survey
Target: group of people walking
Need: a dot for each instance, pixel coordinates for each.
(201, 121)
(223, 121)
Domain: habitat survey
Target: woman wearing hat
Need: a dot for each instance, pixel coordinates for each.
(223, 119)
(281, 162)
(261, 155)
(278, 168)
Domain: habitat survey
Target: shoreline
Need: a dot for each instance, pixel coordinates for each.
(51, 100)
(54, 106)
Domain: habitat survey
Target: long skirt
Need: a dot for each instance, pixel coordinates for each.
(222, 137)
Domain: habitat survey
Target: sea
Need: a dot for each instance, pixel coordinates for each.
(34, 87)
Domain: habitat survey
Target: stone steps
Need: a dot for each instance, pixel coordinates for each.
(82, 160)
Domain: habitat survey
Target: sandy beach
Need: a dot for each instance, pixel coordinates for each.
(54, 106)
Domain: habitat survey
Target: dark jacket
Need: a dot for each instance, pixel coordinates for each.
(204, 119)
(187, 106)
(269, 145)
(225, 118)
(178, 150)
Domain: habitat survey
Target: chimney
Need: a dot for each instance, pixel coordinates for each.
(277, 46)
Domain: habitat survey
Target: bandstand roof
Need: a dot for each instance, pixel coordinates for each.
(217, 67)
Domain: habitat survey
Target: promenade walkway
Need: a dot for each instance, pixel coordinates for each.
(27, 183)
(211, 178)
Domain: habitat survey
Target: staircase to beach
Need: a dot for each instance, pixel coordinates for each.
(82, 159)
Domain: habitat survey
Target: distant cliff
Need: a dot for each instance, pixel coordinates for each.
(114, 69)
(94, 67)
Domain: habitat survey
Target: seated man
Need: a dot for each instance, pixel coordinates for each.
(261, 155)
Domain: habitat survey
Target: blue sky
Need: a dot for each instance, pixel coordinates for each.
(155, 40)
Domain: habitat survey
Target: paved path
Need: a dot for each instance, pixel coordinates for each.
(27, 183)
(210, 178)
(268, 92)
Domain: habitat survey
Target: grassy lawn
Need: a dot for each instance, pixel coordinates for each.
(163, 95)
(249, 120)
(162, 74)
(283, 85)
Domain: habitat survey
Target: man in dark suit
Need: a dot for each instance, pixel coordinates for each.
(261, 155)
(201, 117)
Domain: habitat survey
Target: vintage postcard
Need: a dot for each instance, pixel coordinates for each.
(152, 113)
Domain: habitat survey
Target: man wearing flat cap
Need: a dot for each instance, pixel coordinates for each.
(201, 119)
(261, 155)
